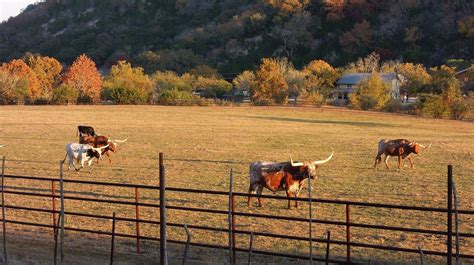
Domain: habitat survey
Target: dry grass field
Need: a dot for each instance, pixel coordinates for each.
(201, 144)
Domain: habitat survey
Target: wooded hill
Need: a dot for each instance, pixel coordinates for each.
(234, 35)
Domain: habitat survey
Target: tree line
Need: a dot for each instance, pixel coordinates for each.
(41, 78)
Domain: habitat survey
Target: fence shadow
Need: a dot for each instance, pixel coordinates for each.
(350, 123)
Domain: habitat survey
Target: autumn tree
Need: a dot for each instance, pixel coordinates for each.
(335, 9)
(416, 75)
(19, 69)
(289, 6)
(320, 77)
(128, 85)
(84, 76)
(244, 81)
(358, 38)
(270, 83)
(48, 70)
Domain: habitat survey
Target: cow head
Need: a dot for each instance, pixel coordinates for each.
(416, 147)
(96, 152)
(113, 146)
(308, 168)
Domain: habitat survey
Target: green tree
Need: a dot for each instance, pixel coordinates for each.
(128, 85)
(416, 75)
(13, 87)
(371, 94)
(64, 94)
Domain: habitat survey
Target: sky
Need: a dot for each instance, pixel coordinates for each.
(11, 8)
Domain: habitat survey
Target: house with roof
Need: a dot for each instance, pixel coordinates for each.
(348, 84)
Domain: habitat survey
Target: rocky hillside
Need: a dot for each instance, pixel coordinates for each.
(233, 35)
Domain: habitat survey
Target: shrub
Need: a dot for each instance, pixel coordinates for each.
(311, 98)
(459, 108)
(64, 94)
(175, 97)
(127, 85)
(431, 105)
(367, 102)
(393, 106)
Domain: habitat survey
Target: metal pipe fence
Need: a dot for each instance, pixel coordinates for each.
(348, 243)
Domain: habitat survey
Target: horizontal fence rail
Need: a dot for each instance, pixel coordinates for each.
(137, 220)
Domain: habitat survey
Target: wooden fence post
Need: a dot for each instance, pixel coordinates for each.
(450, 217)
(250, 248)
(137, 217)
(327, 247)
(348, 234)
(112, 247)
(163, 254)
(4, 222)
(53, 201)
(231, 247)
(456, 223)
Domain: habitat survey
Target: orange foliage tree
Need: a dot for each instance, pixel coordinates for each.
(19, 69)
(270, 83)
(358, 38)
(84, 76)
(48, 70)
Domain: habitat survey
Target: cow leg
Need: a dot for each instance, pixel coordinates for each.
(289, 194)
(110, 160)
(296, 202)
(259, 192)
(386, 160)
(400, 162)
(378, 159)
(251, 190)
(411, 162)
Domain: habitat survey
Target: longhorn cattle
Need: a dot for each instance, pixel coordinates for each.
(85, 130)
(100, 141)
(81, 153)
(401, 148)
(287, 176)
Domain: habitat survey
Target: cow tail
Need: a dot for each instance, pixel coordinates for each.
(62, 162)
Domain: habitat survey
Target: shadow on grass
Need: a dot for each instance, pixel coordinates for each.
(351, 123)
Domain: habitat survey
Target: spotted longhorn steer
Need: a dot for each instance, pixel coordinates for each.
(100, 141)
(288, 176)
(81, 153)
(401, 148)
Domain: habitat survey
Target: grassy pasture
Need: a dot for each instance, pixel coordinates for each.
(201, 144)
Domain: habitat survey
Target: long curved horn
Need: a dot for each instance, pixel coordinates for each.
(119, 141)
(426, 147)
(293, 164)
(98, 149)
(320, 162)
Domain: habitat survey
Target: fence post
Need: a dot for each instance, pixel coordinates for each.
(112, 247)
(231, 255)
(348, 234)
(53, 200)
(61, 188)
(56, 232)
(163, 254)
(4, 222)
(422, 261)
(250, 248)
(456, 223)
(234, 252)
(450, 217)
(327, 247)
(310, 223)
(137, 217)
